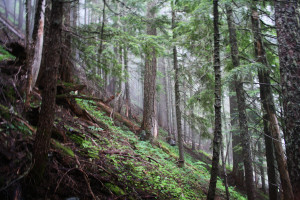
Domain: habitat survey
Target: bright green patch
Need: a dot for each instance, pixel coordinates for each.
(5, 55)
(65, 150)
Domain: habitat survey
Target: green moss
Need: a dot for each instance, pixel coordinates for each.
(5, 55)
(115, 189)
(65, 150)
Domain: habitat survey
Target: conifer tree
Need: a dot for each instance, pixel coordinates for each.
(218, 120)
(288, 35)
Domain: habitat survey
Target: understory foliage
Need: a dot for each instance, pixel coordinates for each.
(152, 167)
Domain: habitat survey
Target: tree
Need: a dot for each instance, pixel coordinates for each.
(268, 105)
(218, 118)
(237, 170)
(288, 35)
(177, 92)
(149, 123)
(241, 101)
(46, 119)
(35, 51)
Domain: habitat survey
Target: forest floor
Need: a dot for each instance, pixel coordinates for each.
(92, 156)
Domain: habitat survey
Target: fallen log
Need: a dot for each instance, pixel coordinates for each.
(82, 113)
(132, 126)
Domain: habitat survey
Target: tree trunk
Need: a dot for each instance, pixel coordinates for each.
(177, 93)
(241, 101)
(149, 123)
(21, 15)
(224, 172)
(46, 119)
(246, 141)
(288, 35)
(238, 170)
(268, 105)
(65, 70)
(191, 121)
(127, 88)
(167, 98)
(218, 119)
(37, 47)
(261, 167)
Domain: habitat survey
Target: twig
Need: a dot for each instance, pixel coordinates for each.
(62, 178)
(150, 158)
(98, 166)
(86, 179)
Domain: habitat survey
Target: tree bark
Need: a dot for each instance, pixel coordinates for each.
(241, 101)
(65, 70)
(237, 171)
(149, 123)
(261, 167)
(46, 119)
(224, 172)
(218, 119)
(167, 99)
(127, 86)
(268, 105)
(37, 48)
(177, 93)
(288, 35)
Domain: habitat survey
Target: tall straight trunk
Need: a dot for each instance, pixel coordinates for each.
(254, 156)
(127, 87)
(246, 140)
(224, 172)
(271, 171)
(177, 94)
(237, 158)
(268, 105)
(21, 14)
(65, 70)
(218, 118)
(165, 81)
(238, 170)
(288, 35)
(261, 167)
(46, 119)
(149, 123)
(191, 122)
(241, 101)
(185, 130)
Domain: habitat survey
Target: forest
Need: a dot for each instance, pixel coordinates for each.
(149, 99)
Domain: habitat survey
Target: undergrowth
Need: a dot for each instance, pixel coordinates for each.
(145, 166)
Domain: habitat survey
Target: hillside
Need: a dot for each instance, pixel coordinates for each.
(92, 156)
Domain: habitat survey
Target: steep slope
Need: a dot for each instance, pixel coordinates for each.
(92, 156)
